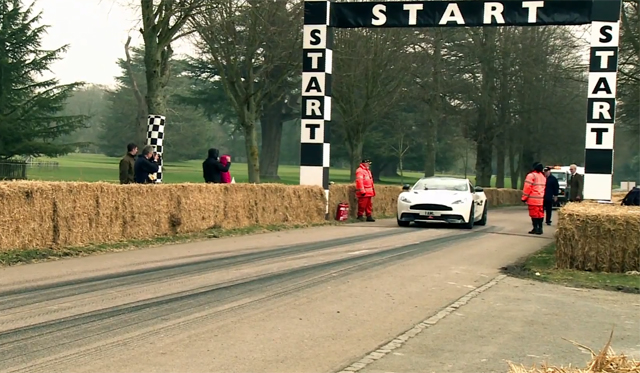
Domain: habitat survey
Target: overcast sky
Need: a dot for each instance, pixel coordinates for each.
(96, 31)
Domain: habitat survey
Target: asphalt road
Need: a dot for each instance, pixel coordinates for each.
(311, 300)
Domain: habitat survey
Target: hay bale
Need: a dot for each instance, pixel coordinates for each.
(62, 214)
(385, 201)
(598, 237)
(26, 209)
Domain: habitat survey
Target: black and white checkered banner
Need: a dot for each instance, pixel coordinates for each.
(317, 58)
(155, 138)
(320, 16)
(601, 110)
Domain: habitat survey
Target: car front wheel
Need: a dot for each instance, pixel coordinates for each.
(483, 221)
(402, 223)
(470, 223)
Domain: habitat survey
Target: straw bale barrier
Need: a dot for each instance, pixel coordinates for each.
(385, 201)
(60, 214)
(35, 215)
(598, 237)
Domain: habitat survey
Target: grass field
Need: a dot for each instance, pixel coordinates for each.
(94, 167)
(541, 266)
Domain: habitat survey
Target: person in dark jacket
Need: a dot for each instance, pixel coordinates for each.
(632, 198)
(127, 164)
(145, 166)
(551, 191)
(212, 168)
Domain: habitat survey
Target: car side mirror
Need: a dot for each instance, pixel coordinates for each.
(478, 189)
(406, 187)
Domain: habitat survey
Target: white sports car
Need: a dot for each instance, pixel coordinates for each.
(442, 200)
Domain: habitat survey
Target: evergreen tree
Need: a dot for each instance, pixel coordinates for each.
(30, 108)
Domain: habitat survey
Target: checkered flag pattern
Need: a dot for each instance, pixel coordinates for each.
(155, 138)
(317, 56)
(601, 100)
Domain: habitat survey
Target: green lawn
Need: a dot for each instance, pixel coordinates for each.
(541, 266)
(93, 167)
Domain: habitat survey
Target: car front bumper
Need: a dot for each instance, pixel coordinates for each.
(448, 217)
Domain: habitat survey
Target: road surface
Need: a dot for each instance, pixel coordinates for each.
(310, 300)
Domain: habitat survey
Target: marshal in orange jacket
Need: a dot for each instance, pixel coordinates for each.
(533, 192)
(364, 182)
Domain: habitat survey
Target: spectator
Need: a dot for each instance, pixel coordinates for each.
(127, 165)
(576, 184)
(146, 166)
(551, 191)
(225, 176)
(212, 168)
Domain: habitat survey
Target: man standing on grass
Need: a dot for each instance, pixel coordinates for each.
(365, 190)
(533, 195)
(551, 191)
(127, 175)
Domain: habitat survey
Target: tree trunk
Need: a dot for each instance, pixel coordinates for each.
(484, 155)
(355, 152)
(251, 146)
(513, 168)
(430, 150)
(390, 168)
(271, 124)
(500, 156)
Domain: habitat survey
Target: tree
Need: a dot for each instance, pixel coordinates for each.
(371, 68)
(194, 132)
(162, 24)
(232, 47)
(30, 110)
(89, 101)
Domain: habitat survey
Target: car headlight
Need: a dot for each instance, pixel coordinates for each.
(405, 199)
(459, 201)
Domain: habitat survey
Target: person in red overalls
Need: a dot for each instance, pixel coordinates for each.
(533, 195)
(365, 190)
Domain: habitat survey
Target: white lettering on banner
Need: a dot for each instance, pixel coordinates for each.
(533, 9)
(315, 58)
(452, 14)
(413, 12)
(491, 11)
(379, 16)
(601, 110)
(313, 107)
(604, 58)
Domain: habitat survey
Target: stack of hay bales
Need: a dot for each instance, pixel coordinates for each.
(598, 237)
(58, 214)
(385, 203)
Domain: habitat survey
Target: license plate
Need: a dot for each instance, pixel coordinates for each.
(430, 213)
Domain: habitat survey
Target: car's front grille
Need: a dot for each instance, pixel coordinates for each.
(430, 207)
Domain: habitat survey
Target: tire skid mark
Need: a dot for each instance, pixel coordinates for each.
(21, 344)
(37, 294)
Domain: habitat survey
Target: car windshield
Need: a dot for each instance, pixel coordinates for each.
(442, 184)
(561, 176)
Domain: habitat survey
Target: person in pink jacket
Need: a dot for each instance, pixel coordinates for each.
(225, 177)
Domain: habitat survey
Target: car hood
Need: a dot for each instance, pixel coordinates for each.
(442, 197)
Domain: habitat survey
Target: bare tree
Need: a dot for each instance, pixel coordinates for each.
(162, 23)
(233, 40)
(371, 70)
